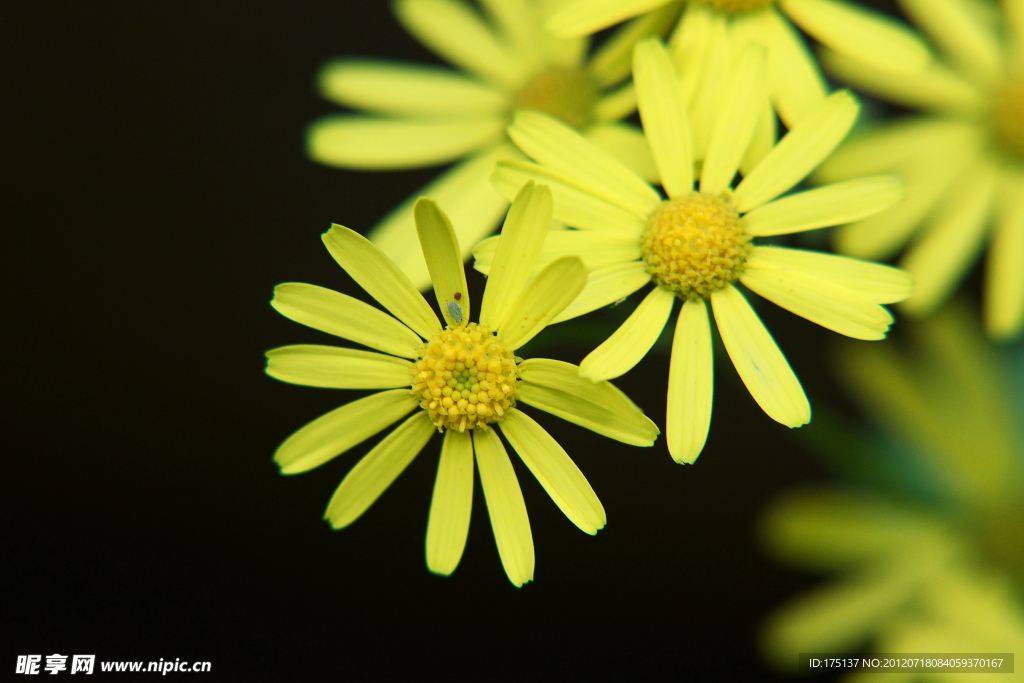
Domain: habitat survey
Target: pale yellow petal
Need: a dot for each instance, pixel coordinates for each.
(555, 471)
(799, 152)
(364, 483)
(381, 279)
(553, 144)
(628, 144)
(595, 249)
(573, 204)
(690, 384)
(605, 286)
(583, 17)
(339, 430)
(541, 300)
(1015, 16)
(860, 33)
(469, 200)
(764, 138)
(362, 142)
(517, 22)
(451, 504)
(710, 85)
(833, 204)
(952, 242)
(341, 315)
(505, 507)
(453, 30)
(444, 261)
(957, 30)
(690, 45)
(663, 112)
(408, 89)
(337, 368)
(612, 62)
(557, 388)
(758, 360)
(879, 283)
(794, 79)
(630, 343)
(1004, 281)
(739, 110)
(614, 105)
(521, 239)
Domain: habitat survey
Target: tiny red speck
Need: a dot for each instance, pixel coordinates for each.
(458, 295)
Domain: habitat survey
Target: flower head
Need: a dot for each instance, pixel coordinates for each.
(963, 161)
(417, 115)
(461, 380)
(696, 244)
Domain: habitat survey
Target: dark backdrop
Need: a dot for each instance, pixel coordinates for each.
(156, 190)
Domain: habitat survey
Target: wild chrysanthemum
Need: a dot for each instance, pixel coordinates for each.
(462, 381)
(696, 245)
(963, 162)
(939, 568)
(418, 115)
(796, 84)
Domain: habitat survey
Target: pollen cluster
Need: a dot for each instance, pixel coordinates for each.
(465, 378)
(694, 245)
(567, 94)
(738, 6)
(1008, 118)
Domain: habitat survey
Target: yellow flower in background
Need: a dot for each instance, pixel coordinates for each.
(943, 575)
(419, 115)
(696, 245)
(796, 83)
(963, 162)
(464, 378)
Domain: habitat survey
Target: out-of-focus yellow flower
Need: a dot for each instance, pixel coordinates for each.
(465, 378)
(963, 161)
(696, 244)
(942, 575)
(418, 115)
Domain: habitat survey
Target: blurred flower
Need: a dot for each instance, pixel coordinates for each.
(465, 378)
(963, 162)
(945, 572)
(694, 245)
(421, 115)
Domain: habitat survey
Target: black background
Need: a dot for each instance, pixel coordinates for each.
(156, 191)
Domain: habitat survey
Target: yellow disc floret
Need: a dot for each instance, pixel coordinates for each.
(567, 94)
(465, 377)
(695, 245)
(738, 6)
(1008, 118)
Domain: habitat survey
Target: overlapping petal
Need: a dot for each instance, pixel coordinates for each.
(444, 261)
(337, 368)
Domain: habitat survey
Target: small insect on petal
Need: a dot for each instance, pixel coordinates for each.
(455, 311)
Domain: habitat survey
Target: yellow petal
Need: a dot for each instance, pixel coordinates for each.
(553, 144)
(758, 360)
(876, 282)
(794, 79)
(833, 204)
(341, 429)
(337, 368)
(521, 239)
(557, 388)
(541, 300)
(604, 287)
(364, 483)
(709, 87)
(505, 507)
(690, 47)
(555, 471)
(612, 62)
(663, 113)
(614, 105)
(378, 144)
(381, 279)
(444, 261)
(630, 343)
(956, 29)
(765, 135)
(408, 89)
(583, 17)
(690, 384)
(800, 152)
(628, 144)
(451, 504)
(595, 249)
(1004, 282)
(335, 313)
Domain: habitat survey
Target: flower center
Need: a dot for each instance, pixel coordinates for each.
(738, 6)
(1008, 118)
(695, 245)
(465, 378)
(567, 94)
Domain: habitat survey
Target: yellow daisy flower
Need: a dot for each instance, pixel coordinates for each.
(963, 162)
(795, 81)
(417, 115)
(695, 245)
(464, 378)
(946, 576)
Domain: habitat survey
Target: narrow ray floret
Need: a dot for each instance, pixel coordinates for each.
(697, 244)
(461, 380)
